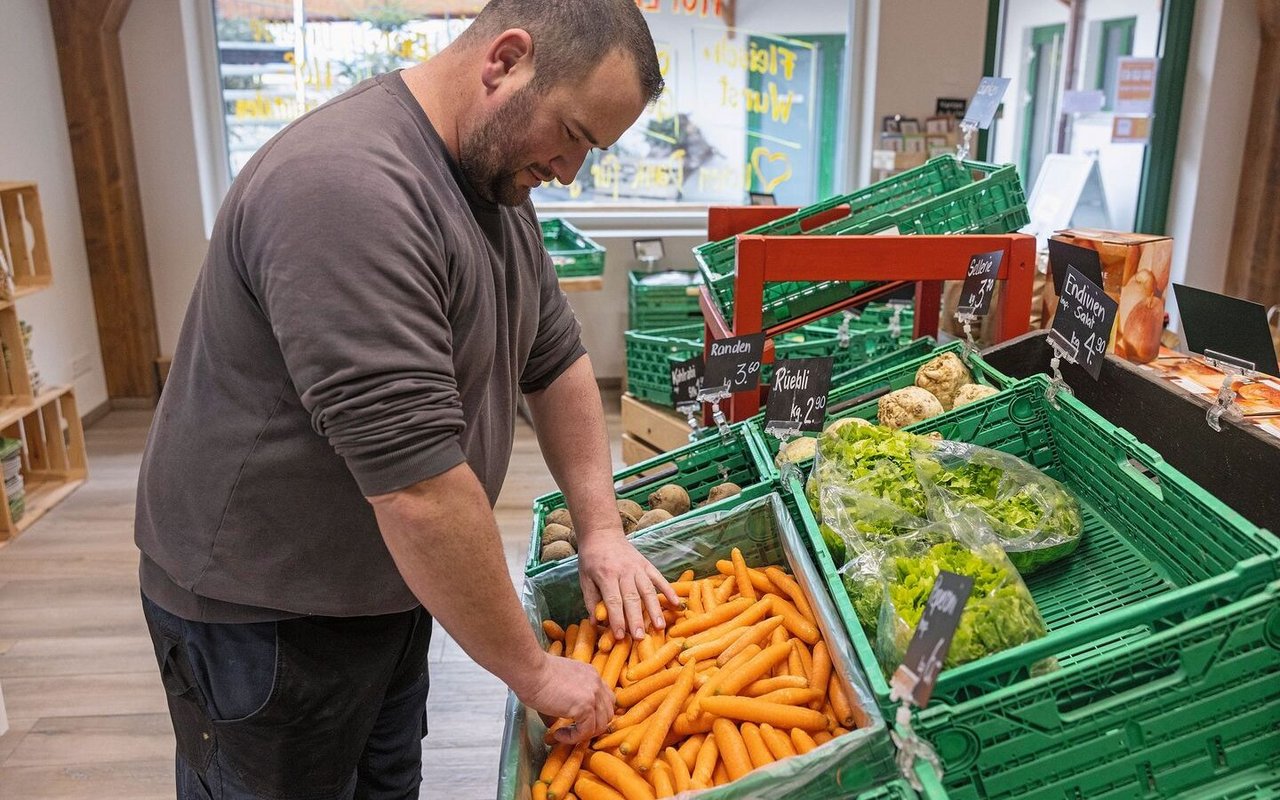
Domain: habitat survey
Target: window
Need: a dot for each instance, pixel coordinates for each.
(1115, 39)
(742, 112)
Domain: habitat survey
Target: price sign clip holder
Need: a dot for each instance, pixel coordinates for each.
(1225, 403)
(962, 149)
(714, 396)
(895, 322)
(691, 413)
(1056, 382)
(911, 747)
(842, 333)
(970, 345)
(784, 431)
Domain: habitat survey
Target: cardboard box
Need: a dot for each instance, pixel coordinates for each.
(1135, 273)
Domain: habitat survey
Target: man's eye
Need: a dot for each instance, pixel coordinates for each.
(570, 133)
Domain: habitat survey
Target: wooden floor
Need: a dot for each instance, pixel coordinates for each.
(86, 711)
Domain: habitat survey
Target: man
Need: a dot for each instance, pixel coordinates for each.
(340, 413)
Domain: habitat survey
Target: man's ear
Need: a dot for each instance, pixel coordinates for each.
(509, 56)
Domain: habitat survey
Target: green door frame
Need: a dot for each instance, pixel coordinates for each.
(1174, 50)
(1045, 34)
(830, 46)
(1127, 25)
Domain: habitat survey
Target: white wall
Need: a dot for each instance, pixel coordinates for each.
(34, 145)
(1215, 119)
(927, 50)
(155, 71)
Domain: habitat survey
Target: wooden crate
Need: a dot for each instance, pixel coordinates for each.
(659, 427)
(22, 239)
(53, 455)
(636, 450)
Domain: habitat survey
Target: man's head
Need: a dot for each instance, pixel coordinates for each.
(557, 77)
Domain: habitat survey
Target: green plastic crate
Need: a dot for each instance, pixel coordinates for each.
(941, 196)
(695, 467)
(651, 354)
(1191, 710)
(662, 305)
(849, 398)
(844, 767)
(573, 254)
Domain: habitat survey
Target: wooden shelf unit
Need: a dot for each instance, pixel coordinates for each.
(48, 423)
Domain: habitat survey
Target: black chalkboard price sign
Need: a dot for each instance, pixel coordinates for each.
(686, 381)
(918, 673)
(733, 365)
(1082, 325)
(798, 394)
(980, 283)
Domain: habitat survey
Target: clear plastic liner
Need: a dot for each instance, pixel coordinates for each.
(763, 530)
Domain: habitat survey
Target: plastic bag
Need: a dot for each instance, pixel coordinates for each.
(1034, 518)
(891, 585)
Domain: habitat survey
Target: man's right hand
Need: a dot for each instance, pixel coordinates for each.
(562, 687)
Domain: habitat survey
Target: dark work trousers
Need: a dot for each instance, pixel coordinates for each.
(314, 708)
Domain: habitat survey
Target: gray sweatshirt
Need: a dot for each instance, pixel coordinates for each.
(362, 322)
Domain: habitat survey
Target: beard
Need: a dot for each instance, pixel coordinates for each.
(487, 157)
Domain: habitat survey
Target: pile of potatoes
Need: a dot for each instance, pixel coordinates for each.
(941, 384)
(560, 541)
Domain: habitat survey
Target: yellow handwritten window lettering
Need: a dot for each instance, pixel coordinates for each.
(755, 58)
(693, 8)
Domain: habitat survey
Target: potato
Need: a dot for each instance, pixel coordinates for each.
(631, 507)
(670, 498)
(555, 532)
(972, 392)
(654, 517)
(561, 517)
(629, 520)
(907, 406)
(796, 451)
(722, 491)
(942, 377)
(556, 551)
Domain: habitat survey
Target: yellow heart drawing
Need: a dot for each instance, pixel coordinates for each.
(762, 156)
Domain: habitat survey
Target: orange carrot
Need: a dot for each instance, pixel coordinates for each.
(838, 731)
(656, 662)
(735, 680)
(599, 661)
(552, 630)
(660, 776)
(615, 737)
(640, 711)
(756, 634)
(840, 702)
(709, 619)
(688, 750)
(756, 748)
(687, 575)
(539, 791)
(726, 590)
(733, 750)
(606, 641)
(679, 769)
(758, 611)
(584, 647)
(766, 685)
(794, 665)
(720, 776)
(759, 581)
(684, 587)
(778, 743)
(550, 738)
(708, 755)
(617, 660)
(820, 671)
(792, 589)
(570, 639)
(710, 686)
(568, 774)
(620, 776)
(688, 726)
(556, 649)
(693, 602)
(632, 740)
(803, 741)
(821, 737)
(792, 697)
(651, 743)
(644, 649)
(630, 695)
(602, 612)
(709, 650)
(751, 709)
(589, 787)
(801, 628)
(806, 659)
(745, 588)
(555, 760)
(709, 601)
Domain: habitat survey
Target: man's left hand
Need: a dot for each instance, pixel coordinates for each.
(612, 570)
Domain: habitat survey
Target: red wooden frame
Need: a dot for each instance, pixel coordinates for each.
(925, 260)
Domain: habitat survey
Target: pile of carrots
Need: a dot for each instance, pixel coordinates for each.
(739, 679)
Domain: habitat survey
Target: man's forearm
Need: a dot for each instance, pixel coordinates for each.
(569, 420)
(444, 539)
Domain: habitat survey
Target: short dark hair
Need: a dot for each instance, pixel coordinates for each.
(572, 36)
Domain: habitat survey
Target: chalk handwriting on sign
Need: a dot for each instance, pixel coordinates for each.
(982, 109)
(1082, 326)
(733, 364)
(918, 673)
(798, 396)
(980, 283)
(686, 381)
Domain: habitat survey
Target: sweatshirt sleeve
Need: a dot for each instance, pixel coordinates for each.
(351, 274)
(558, 343)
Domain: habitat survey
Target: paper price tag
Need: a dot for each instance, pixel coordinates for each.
(733, 365)
(798, 397)
(980, 283)
(918, 673)
(686, 381)
(982, 108)
(1082, 325)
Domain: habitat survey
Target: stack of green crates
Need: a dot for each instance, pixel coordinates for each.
(573, 254)
(663, 299)
(944, 195)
